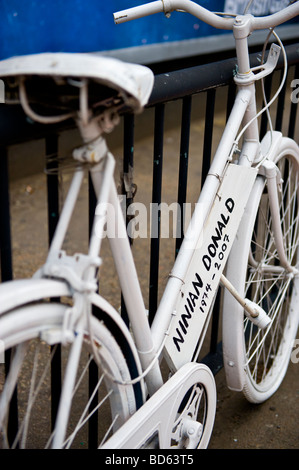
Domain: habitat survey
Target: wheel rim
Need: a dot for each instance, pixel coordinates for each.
(34, 391)
(270, 286)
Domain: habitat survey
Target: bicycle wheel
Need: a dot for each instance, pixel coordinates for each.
(256, 360)
(26, 408)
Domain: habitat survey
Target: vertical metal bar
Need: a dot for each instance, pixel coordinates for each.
(280, 106)
(183, 169)
(7, 272)
(128, 163)
(231, 94)
(92, 202)
(208, 134)
(215, 322)
(156, 200)
(93, 368)
(51, 146)
(93, 421)
(293, 111)
(5, 230)
(264, 118)
(128, 166)
(207, 155)
(51, 149)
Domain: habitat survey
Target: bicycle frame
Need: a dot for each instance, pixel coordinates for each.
(210, 235)
(148, 341)
(183, 315)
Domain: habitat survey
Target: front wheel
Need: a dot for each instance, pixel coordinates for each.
(256, 360)
(100, 404)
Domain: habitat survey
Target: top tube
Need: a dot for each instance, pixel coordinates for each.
(213, 19)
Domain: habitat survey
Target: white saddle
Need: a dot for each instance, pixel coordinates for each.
(134, 80)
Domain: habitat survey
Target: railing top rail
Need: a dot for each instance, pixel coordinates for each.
(180, 83)
(168, 86)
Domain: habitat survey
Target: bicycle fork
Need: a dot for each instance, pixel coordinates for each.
(272, 175)
(274, 180)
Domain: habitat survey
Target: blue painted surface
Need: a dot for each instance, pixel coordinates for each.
(33, 26)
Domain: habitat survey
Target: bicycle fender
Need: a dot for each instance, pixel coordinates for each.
(269, 145)
(15, 293)
(274, 143)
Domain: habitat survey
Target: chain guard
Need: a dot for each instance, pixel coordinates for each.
(170, 414)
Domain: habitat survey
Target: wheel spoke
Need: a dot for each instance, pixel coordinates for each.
(95, 414)
(267, 286)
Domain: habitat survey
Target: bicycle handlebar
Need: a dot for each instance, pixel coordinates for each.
(168, 6)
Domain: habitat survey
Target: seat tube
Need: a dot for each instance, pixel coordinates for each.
(131, 290)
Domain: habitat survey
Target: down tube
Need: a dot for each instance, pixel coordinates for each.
(176, 279)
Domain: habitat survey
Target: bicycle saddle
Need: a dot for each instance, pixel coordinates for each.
(54, 79)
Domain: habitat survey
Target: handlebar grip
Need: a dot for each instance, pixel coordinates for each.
(138, 12)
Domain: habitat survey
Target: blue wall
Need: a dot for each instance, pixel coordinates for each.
(33, 26)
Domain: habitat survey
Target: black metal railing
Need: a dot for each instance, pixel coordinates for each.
(180, 85)
(183, 85)
(176, 85)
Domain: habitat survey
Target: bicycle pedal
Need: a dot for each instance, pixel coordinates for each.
(253, 311)
(260, 317)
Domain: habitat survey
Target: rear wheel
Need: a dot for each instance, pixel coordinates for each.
(100, 405)
(264, 354)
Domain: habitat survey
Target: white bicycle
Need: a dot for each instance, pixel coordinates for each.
(248, 208)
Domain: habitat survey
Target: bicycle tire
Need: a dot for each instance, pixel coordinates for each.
(256, 360)
(27, 328)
